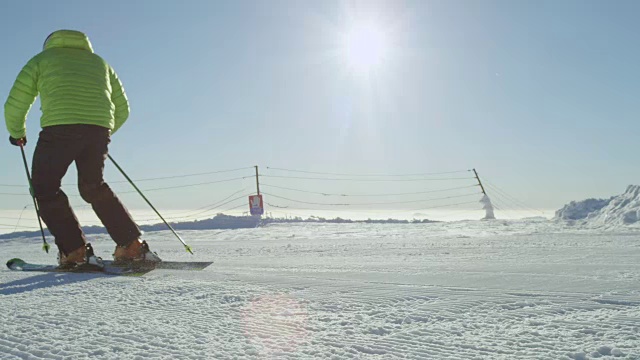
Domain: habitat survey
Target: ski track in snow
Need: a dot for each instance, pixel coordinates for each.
(467, 290)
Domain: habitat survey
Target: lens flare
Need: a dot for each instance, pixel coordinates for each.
(275, 324)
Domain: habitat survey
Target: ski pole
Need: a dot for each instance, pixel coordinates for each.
(45, 245)
(187, 247)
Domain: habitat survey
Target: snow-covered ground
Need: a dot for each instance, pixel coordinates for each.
(530, 289)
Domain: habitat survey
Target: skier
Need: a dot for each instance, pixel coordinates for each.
(83, 103)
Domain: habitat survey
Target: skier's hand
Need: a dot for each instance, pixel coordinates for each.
(18, 142)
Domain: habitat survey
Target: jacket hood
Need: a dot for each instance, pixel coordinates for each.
(68, 39)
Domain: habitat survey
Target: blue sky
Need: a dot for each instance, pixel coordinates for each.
(539, 96)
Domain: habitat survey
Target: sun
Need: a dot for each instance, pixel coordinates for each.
(365, 46)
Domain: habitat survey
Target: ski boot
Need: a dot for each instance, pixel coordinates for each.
(81, 257)
(136, 252)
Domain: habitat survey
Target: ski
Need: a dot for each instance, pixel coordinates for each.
(110, 268)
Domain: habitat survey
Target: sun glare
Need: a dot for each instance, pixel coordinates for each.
(365, 47)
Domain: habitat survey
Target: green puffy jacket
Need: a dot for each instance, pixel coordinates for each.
(75, 85)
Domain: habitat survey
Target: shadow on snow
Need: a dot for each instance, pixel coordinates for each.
(44, 281)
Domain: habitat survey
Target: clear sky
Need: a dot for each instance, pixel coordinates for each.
(540, 96)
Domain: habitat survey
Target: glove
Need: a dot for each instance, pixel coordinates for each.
(18, 142)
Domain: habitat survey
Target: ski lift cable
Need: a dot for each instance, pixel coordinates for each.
(193, 214)
(514, 199)
(225, 203)
(19, 227)
(439, 206)
(335, 210)
(498, 195)
(496, 189)
(233, 208)
(186, 175)
(499, 204)
(156, 178)
(507, 210)
(368, 195)
(366, 180)
(504, 195)
(175, 187)
(210, 206)
(368, 175)
(368, 204)
(218, 202)
(189, 185)
(276, 206)
(377, 210)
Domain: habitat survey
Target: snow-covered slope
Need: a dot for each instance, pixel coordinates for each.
(497, 289)
(619, 211)
(580, 210)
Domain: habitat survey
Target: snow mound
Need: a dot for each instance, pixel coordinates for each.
(621, 210)
(578, 210)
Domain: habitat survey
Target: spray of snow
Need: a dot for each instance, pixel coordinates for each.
(488, 208)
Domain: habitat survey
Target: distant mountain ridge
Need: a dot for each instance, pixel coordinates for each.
(620, 210)
(223, 222)
(219, 221)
